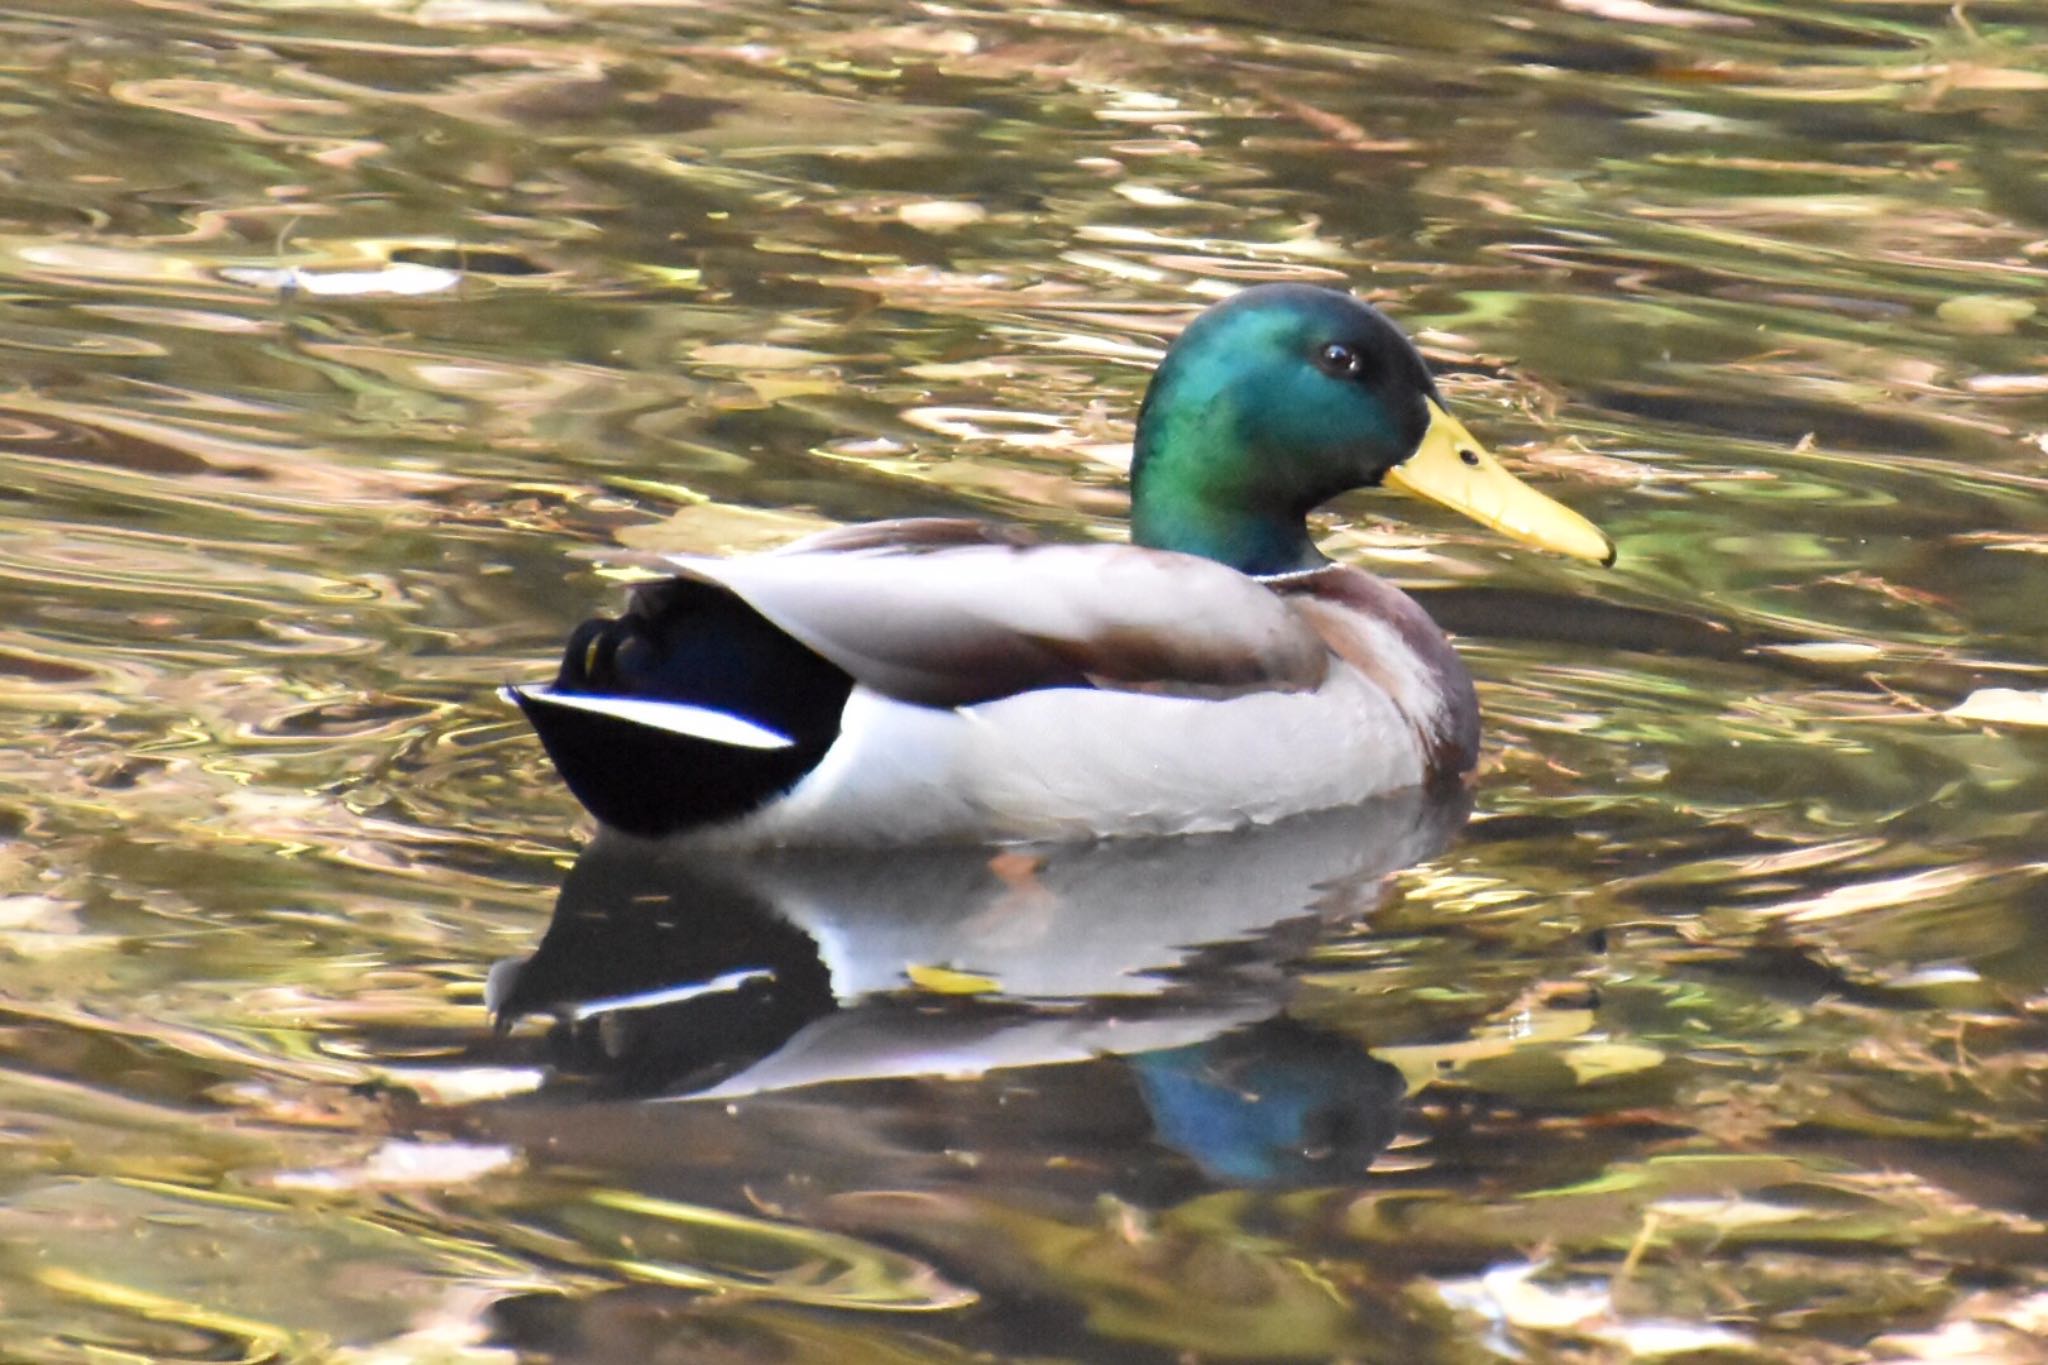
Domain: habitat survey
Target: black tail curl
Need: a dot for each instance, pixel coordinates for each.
(683, 640)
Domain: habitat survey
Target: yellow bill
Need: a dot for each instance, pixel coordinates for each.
(1451, 468)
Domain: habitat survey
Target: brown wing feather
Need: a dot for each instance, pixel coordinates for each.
(946, 613)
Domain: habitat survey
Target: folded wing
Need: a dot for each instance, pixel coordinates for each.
(939, 615)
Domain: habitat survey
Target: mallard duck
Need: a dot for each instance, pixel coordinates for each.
(939, 680)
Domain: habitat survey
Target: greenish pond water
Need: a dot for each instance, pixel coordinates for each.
(342, 342)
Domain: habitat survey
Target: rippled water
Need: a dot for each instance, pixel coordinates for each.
(341, 341)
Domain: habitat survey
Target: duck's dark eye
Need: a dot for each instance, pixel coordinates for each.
(1469, 456)
(1340, 361)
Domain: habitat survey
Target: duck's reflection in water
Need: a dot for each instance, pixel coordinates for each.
(825, 1011)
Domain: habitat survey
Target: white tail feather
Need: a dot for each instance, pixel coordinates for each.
(677, 718)
(666, 995)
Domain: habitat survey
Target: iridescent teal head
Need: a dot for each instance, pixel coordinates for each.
(1285, 395)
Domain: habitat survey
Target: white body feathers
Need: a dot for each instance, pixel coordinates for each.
(1073, 763)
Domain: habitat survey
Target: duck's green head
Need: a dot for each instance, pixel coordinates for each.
(1285, 395)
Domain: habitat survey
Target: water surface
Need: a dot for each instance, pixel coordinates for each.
(343, 341)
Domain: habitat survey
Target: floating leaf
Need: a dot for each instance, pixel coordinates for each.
(2007, 385)
(755, 356)
(946, 981)
(941, 215)
(1984, 313)
(399, 278)
(1827, 651)
(1663, 16)
(1540, 1030)
(2002, 706)
(398, 1164)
